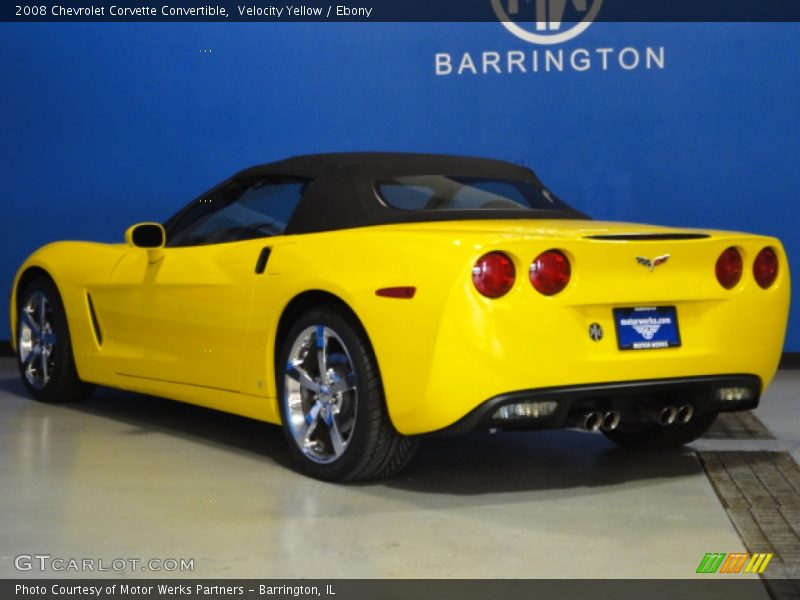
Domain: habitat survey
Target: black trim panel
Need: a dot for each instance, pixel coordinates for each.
(790, 360)
(625, 396)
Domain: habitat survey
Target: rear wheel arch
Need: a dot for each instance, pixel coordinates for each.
(309, 300)
(314, 413)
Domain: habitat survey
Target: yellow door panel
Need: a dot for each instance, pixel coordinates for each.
(184, 318)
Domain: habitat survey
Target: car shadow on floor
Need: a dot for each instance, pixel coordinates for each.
(151, 414)
(544, 460)
(477, 463)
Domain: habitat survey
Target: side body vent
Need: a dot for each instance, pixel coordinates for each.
(98, 333)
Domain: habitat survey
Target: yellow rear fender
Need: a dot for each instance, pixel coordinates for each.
(396, 328)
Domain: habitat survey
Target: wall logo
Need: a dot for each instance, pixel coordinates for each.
(547, 18)
(737, 562)
(545, 23)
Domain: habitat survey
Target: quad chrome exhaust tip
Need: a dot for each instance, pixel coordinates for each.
(588, 421)
(667, 415)
(685, 414)
(660, 415)
(596, 420)
(610, 421)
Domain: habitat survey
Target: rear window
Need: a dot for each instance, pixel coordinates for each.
(441, 192)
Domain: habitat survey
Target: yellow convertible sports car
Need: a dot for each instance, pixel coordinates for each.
(362, 300)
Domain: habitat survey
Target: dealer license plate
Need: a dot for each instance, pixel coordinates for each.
(647, 328)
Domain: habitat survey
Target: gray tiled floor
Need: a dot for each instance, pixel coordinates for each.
(738, 426)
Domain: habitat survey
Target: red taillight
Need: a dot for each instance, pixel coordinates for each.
(493, 274)
(729, 268)
(765, 267)
(550, 272)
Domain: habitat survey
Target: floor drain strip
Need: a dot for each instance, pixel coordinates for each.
(760, 491)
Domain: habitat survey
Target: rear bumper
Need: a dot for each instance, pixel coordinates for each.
(629, 398)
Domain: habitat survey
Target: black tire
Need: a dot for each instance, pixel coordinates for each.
(374, 449)
(658, 436)
(58, 381)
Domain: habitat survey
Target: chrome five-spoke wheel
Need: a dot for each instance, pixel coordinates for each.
(320, 394)
(332, 406)
(44, 349)
(37, 340)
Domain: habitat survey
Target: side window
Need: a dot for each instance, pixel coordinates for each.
(243, 210)
(201, 208)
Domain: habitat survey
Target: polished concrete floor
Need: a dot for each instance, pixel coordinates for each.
(128, 476)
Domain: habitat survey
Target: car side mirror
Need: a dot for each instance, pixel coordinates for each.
(150, 236)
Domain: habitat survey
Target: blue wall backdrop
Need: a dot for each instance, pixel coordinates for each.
(103, 125)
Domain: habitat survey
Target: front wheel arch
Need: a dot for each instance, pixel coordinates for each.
(29, 275)
(62, 383)
(25, 278)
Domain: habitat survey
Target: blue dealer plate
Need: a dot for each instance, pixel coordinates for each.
(647, 328)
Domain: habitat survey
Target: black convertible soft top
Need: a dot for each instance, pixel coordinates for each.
(343, 193)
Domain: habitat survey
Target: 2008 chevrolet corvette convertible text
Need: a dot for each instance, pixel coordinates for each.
(362, 300)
